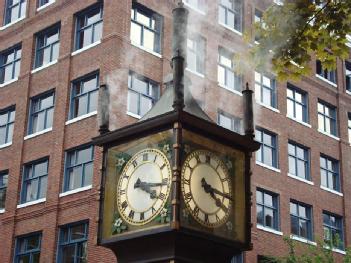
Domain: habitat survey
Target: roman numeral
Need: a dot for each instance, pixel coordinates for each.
(142, 216)
(135, 164)
(131, 214)
(198, 159)
(163, 166)
(155, 158)
(224, 208)
(188, 197)
(122, 191)
(124, 205)
(206, 219)
(145, 157)
(191, 169)
(165, 181)
(208, 159)
(224, 179)
(153, 210)
(162, 196)
(125, 176)
(196, 211)
(217, 218)
(187, 181)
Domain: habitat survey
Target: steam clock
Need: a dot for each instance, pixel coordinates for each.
(175, 185)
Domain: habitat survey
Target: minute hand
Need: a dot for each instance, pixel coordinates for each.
(209, 189)
(222, 194)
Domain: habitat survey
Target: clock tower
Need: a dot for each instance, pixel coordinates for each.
(175, 185)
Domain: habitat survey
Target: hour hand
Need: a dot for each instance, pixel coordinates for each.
(209, 189)
(146, 188)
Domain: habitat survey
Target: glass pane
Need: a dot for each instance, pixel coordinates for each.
(320, 108)
(290, 108)
(292, 167)
(268, 200)
(31, 190)
(145, 105)
(149, 39)
(32, 242)
(269, 217)
(290, 93)
(294, 225)
(293, 209)
(83, 155)
(82, 253)
(2, 198)
(298, 97)
(36, 258)
(9, 57)
(88, 174)
(93, 17)
(8, 73)
(46, 55)
(324, 178)
(97, 32)
(87, 36)
(9, 133)
(82, 104)
(12, 115)
(266, 81)
(3, 118)
(231, 80)
(268, 156)
(14, 13)
(78, 232)
(331, 181)
(143, 19)
(133, 99)
(299, 112)
(24, 259)
(225, 121)
(259, 155)
(300, 153)
(135, 33)
(93, 101)
(267, 139)
(301, 169)
(55, 51)
(302, 211)
(49, 118)
(89, 84)
(21, 245)
(230, 19)
(68, 254)
(140, 85)
(221, 75)
(17, 69)
(47, 102)
(226, 61)
(41, 169)
(260, 220)
(52, 37)
(191, 60)
(75, 178)
(43, 186)
(327, 125)
(320, 122)
(267, 96)
(221, 14)
(303, 228)
(2, 135)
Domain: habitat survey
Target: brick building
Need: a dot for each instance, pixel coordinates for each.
(55, 53)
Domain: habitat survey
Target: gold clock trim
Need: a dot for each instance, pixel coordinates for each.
(120, 179)
(224, 169)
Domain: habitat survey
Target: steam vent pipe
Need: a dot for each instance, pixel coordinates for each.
(248, 112)
(180, 20)
(103, 109)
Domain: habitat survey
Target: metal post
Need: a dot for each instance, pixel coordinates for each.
(248, 112)
(103, 109)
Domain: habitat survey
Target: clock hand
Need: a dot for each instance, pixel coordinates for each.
(209, 189)
(140, 183)
(146, 188)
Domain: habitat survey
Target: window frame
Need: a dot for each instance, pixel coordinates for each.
(332, 119)
(83, 15)
(274, 147)
(8, 9)
(348, 75)
(349, 126)
(38, 48)
(306, 161)
(25, 179)
(199, 50)
(38, 99)
(272, 90)
(73, 96)
(31, 252)
(8, 111)
(68, 167)
(236, 122)
(200, 5)
(45, 2)
(12, 50)
(330, 76)
(136, 7)
(3, 187)
(329, 172)
(330, 228)
(235, 11)
(275, 208)
(75, 242)
(151, 85)
(237, 84)
(303, 104)
(308, 219)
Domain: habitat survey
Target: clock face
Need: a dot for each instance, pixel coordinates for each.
(143, 187)
(206, 188)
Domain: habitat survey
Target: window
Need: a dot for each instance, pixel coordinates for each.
(230, 14)
(297, 104)
(28, 249)
(41, 113)
(35, 178)
(258, 20)
(10, 63)
(265, 90)
(7, 119)
(84, 95)
(44, 2)
(326, 74)
(333, 230)
(14, 10)
(142, 94)
(89, 27)
(196, 54)
(348, 75)
(330, 173)
(267, 209)
(266, 259)
(197, 4)
(230, 122)
(227, 77)
(3, 186)
(327, 118)
(47, 46)
(298, 161)
(267, 154)
(73, 243)
(239, 258)
(301, 224)
(79, 168)
(349, 126)
(146, 27)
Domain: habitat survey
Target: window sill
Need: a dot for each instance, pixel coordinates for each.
(194, 8)
(12, 23)
(327, 81)
(44, 66)
(195, 73)
(231, 29)
(74, 191)
(304, 240)
(147, 50)
(2, 211)
(82, 117)
(37, 133)
(270, 230)
(298, 121)
(331, 191)
(330, 135)
(8, 83)
(133, 115)
(44, 6)
(231, 90)
(85, 48)
(301, 179)
(42, 200)
(348, 92)
(268, 107)
(2, 146)
(337, 250)
(268, 167)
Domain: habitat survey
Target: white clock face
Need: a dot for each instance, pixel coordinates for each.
(143, 187)
(206, 188)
